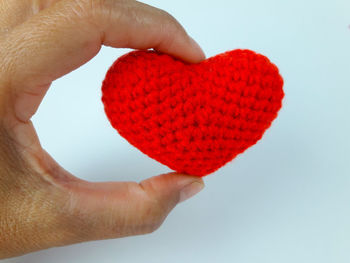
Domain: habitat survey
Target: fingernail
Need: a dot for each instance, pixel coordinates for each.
(190, 190)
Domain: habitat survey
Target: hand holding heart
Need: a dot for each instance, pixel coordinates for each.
(42, 205)
(192, 117)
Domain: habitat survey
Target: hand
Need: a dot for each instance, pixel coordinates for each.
(42, 205)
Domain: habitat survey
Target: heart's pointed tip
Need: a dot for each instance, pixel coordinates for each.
(197, 171)
(188, 174)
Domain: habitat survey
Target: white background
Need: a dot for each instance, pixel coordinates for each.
(287, 199)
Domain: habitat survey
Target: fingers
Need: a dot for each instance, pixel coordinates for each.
(111, 210)
(61, 38)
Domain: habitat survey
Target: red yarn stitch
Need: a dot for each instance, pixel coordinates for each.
(194, 118)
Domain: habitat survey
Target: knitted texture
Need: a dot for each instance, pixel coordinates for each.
(194, 118)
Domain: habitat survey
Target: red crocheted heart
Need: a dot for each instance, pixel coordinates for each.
(194, 118)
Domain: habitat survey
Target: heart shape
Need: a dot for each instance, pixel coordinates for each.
(194, 118)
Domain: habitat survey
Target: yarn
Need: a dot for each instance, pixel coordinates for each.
(193, 118)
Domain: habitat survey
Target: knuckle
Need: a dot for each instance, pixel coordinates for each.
(98, 12)
(152, 214)
(149, 227)
(170, 29)
(99, 8)
(152, 219)
(94, 4)
(81, 7)
(88, 8)
(171, 24)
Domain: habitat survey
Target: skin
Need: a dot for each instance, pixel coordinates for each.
(42, 205)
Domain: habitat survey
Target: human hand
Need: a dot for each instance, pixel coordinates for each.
(42, 205)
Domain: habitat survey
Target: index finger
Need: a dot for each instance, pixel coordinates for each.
(68, 34)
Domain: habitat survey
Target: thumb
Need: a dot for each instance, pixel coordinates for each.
(117, 209)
